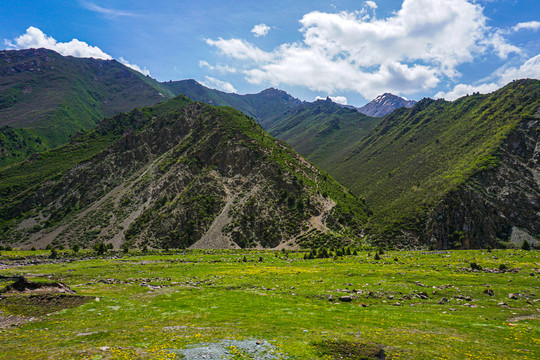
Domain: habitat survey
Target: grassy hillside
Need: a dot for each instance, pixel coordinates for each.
(322, 131)
(53, 96)
(416, 156)
(168, 174)
(264, 106)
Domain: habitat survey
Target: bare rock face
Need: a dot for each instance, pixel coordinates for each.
(500, 204)
(384, 104)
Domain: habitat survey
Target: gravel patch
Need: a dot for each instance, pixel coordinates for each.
(226, 349)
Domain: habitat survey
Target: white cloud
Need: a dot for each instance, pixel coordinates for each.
(222, 69)
(530, 69)
(240, 49)
(143, 71)
(260, 30)
(34, 38)
(405, 53)
(464, 89)
(337, 99)
(219, 85)
(105, 11)
(530, 25)
(371, 4)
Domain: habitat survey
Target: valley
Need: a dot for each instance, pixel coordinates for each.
(275, 305)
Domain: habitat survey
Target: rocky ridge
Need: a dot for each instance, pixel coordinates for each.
(384, 104)
(495, 206)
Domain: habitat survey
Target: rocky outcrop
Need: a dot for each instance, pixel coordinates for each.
(496, 206)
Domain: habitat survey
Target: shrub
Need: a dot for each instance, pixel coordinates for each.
(503, 267)
(526, 245)
(75, 248)
(476, 266)
(377, 257)
(101, 249)
(33, 248)
(54, 254)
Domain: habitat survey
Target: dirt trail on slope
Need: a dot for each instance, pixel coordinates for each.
(214, 237)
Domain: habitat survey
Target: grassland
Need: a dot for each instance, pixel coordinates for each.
(153, 304)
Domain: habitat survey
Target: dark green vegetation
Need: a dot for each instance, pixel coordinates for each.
(53, 97)
(174, 175)
(322, 131)
(412, 305)
(442, 172)
(264, 106)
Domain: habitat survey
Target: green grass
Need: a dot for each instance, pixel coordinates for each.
(212, 295)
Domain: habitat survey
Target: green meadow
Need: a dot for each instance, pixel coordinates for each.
(412, 305)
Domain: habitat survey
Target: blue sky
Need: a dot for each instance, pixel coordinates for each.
(350, 50)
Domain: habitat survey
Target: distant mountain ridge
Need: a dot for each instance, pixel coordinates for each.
(323, 130)
(384, 104)
(263, 106)
(47, 97)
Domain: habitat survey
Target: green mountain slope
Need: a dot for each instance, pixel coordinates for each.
(52, 96)
(264, 106)
(176, 174)
(322, 131)
(416, 157)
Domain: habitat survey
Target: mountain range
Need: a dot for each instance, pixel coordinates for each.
(193, 171)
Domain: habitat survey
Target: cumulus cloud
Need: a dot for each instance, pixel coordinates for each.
(222, 69)
(219, 85)
(405, 53)
(371, 4)
(337, 99)
(530, 69)
(240, 49)
(530, 25)
(260, 30)
(464, 89)
(34, 38)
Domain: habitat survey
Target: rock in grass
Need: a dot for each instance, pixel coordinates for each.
(512, 296)
(489, 292)
(345, 298)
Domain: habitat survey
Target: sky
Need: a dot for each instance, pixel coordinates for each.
(349, 50)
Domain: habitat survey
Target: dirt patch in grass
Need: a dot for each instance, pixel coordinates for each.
(35, 305)
(22, 285)
(341, 349)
